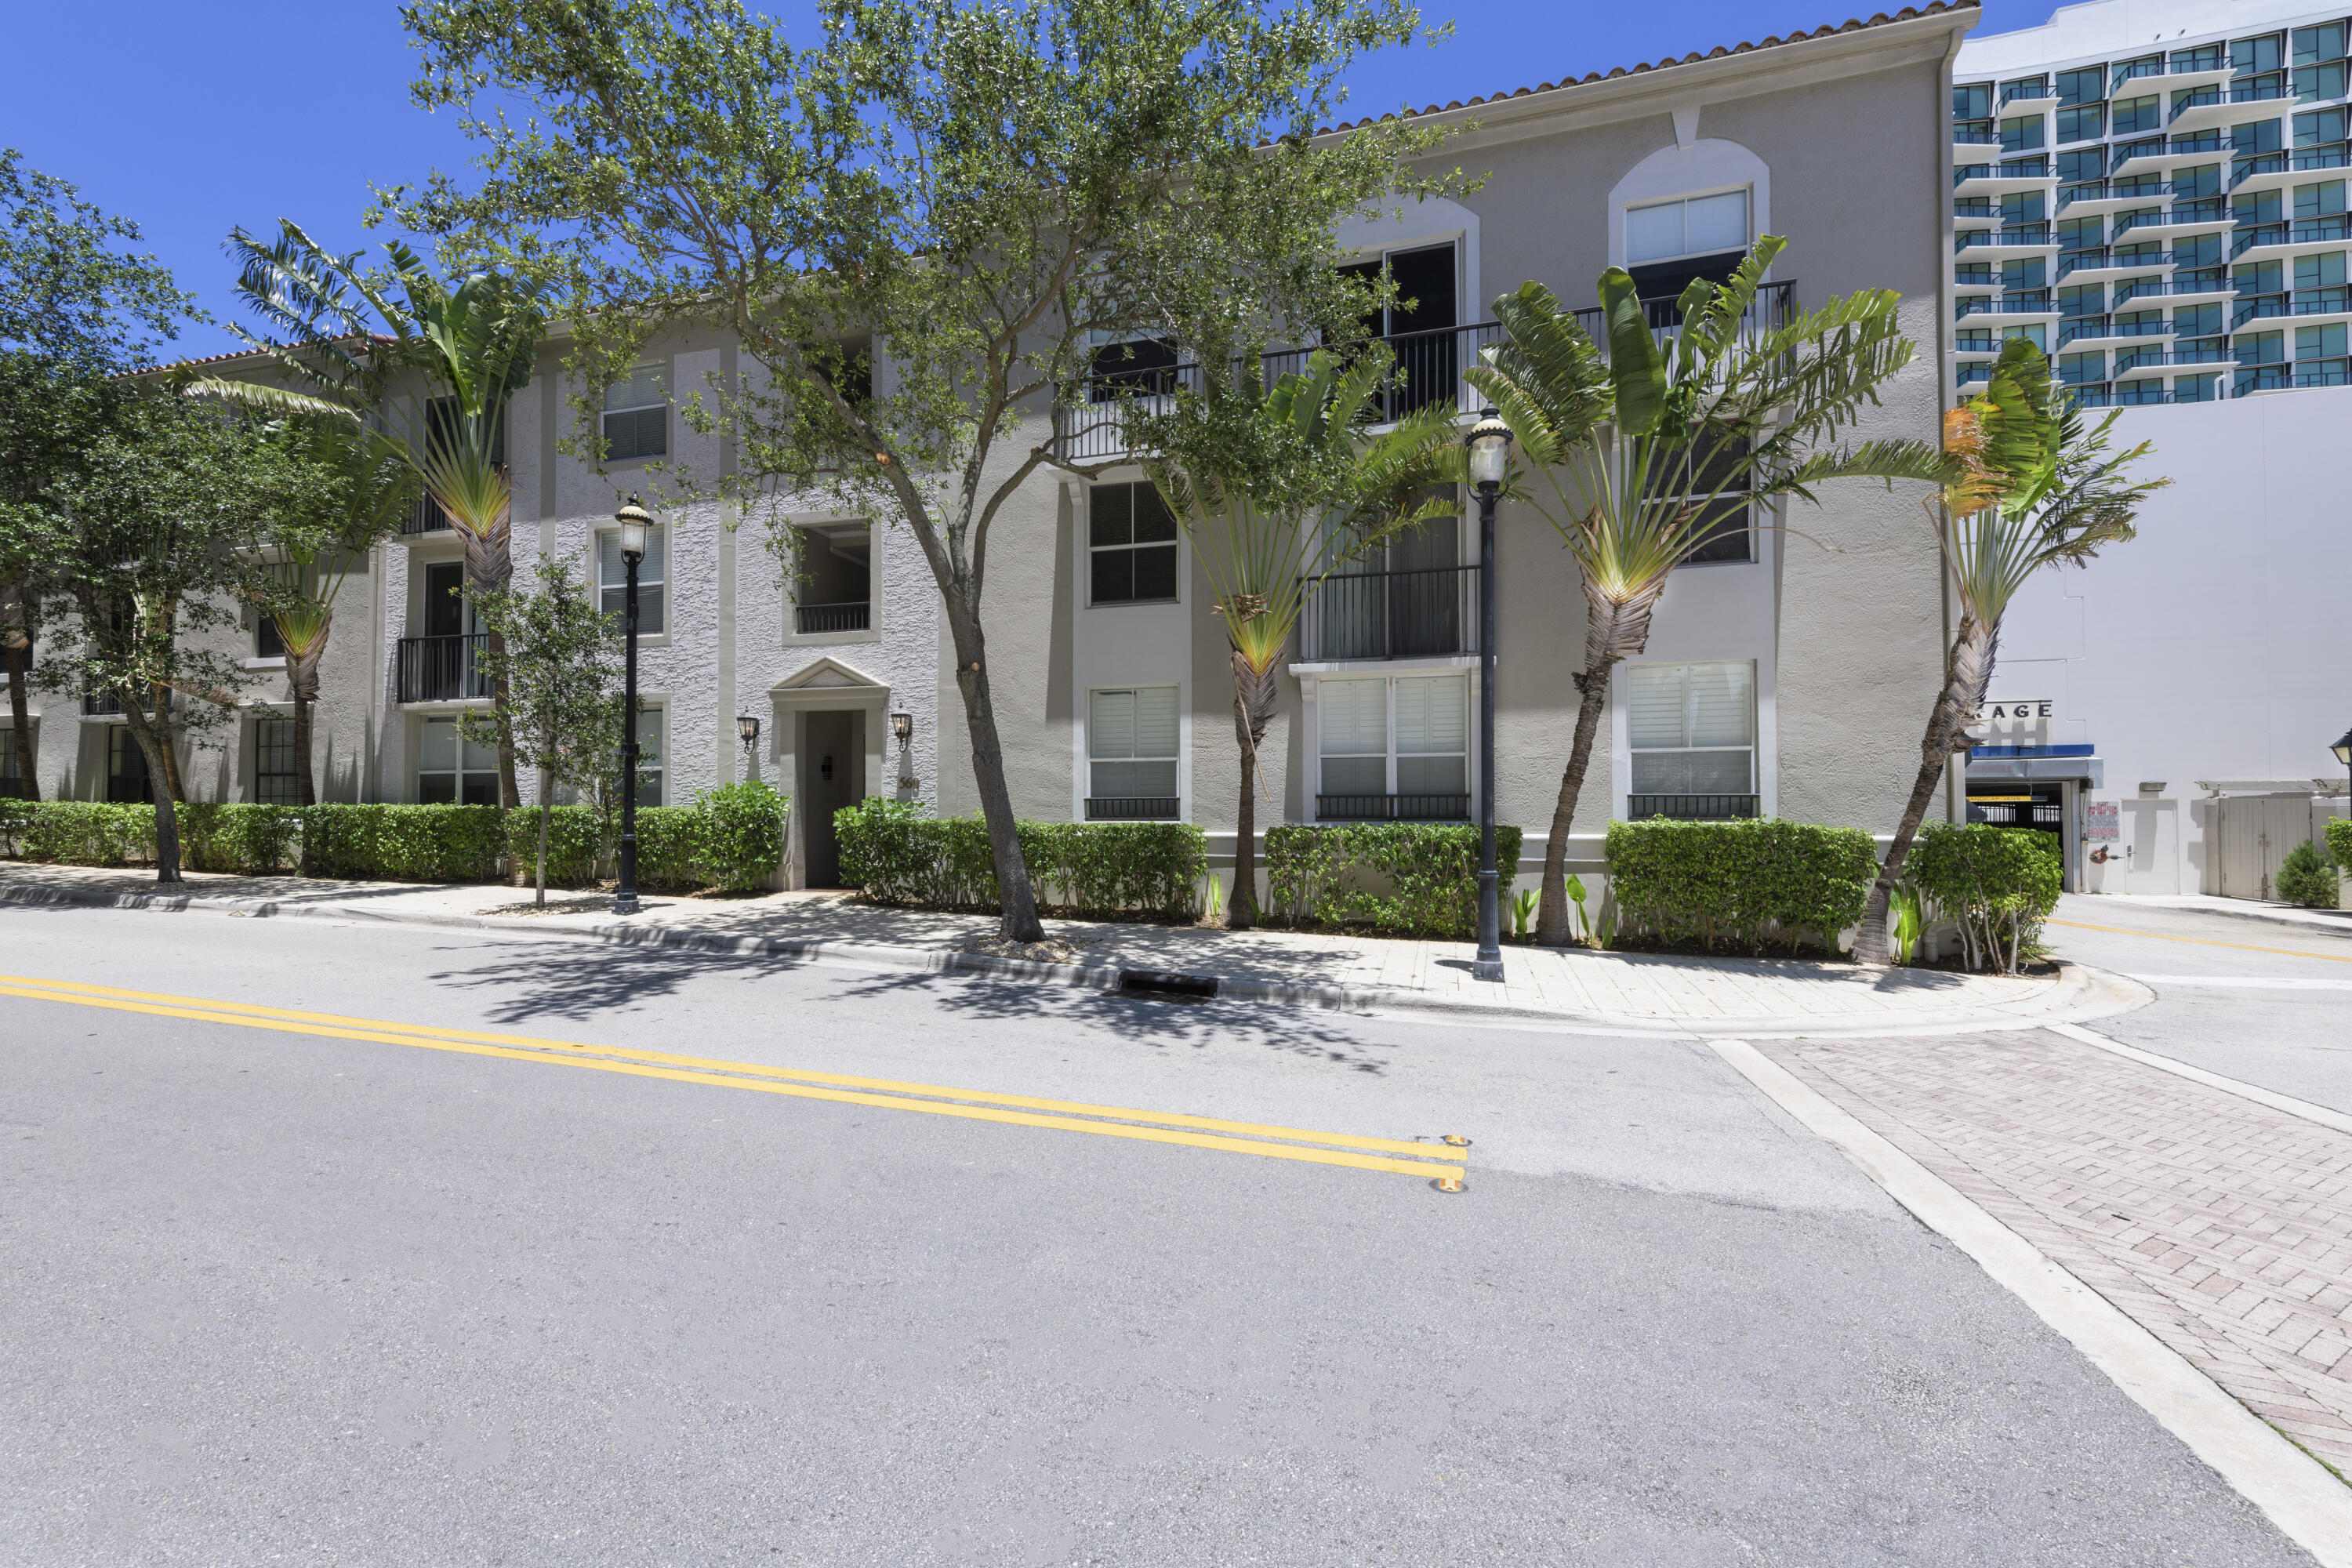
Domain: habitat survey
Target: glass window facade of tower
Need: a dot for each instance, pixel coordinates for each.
(2170, 224)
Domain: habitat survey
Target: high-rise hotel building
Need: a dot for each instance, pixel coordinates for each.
(2155, 193)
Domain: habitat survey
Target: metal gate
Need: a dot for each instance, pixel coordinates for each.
(2252, 835)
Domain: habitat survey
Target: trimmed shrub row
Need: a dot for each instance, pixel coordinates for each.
(1404, 878)
(733, 837)
(1746, 886)
(899, 854)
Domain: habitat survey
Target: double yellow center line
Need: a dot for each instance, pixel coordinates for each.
(1399, 1155)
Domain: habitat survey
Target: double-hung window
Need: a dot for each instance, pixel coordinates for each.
(613, 578)
(452, 770)
(1131, 545)
(275, 780)
(12, 777)
(1691, 731)
(636, 416)
(1132, 736)
(650, 754)
(1396, 747)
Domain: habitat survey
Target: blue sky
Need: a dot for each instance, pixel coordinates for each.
(192, 116)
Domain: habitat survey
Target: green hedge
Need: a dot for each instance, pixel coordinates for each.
(897, 855)
(733, 837)
(1407, 878)
(2339, 842)
(1999, 883)
(1746, 885)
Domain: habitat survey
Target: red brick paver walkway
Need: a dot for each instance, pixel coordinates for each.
(2220, 1226)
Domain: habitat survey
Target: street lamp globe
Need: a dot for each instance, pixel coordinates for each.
(1490, 445)
(2343, 749)
(634, 520)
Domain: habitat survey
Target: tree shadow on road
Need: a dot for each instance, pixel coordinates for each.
(540, 984)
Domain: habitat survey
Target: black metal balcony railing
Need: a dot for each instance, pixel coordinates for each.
(1415, 613)
(849, 616)
(2157, 289)
(1132, 807)
(2245, 169)
(2148, 147)
(1391, 808)
(1690, 807)
(2335, 155)
(440, 669)
(2025, 90)
(2112, 190)
(2202, 142)
(426, 517)
(2022, 302)
(2324, 372)
(2021, 234)
(1429, 366)
(2198, 98)
(109, 704)
(2261, 92)
(1975, 138)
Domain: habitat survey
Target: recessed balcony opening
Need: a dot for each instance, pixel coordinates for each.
(832, 585)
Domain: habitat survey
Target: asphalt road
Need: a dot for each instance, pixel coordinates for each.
(2263, 1003)
(275, 1297)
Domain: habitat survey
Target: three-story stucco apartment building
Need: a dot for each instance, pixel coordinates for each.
(1786, 676)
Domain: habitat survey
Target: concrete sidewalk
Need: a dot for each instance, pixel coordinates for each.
(2087, 906)
(1575, 988)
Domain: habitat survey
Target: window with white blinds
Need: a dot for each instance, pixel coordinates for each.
(1691, 226)
(613, 578)
(1409, 735)
(636, 416)
(1692, 728)
(1131, 743)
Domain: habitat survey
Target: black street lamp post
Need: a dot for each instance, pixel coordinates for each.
(634, 520)
(1490, 445)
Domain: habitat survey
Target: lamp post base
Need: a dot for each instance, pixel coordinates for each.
(1487, 968)
(624, 903)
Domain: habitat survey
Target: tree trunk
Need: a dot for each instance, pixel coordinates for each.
(173, 786)
(1020, 923)
(302, 681)
(1256, 696)
(546, 809)
(1966, 672)
(155, 743)
(1552, 917)
(1613, 631)
(489, 565)
(21, 735)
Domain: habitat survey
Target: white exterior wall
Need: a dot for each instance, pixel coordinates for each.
(2212, 646)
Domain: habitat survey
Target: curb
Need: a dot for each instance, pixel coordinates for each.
(2082, 992)
(2262, 912)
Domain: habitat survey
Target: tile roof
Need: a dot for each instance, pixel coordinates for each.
(1908, 13)
(217, 359)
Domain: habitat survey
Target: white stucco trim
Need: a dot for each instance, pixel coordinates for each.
(1704, 168)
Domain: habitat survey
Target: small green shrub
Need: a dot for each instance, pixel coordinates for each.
(741, 832)
(2339, 841)
(16, 819)
(669, 849)
(1998, 883)
(1743, 885)
(899, 854)
(1404, 878)
(2307, 877)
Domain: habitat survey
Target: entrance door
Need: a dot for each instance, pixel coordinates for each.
(832, 765)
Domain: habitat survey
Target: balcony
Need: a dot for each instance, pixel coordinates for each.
(2024, 302)
(2024, 91)
(2261, 378)
(440, 669)
(2177, 288)
(2323, 372)
(1423, 613)
(2017, 237)
(2334, 155)
(2265, 239)
(1429, 367)
(814, 620)
(109, 704)
(2199, 106)
(1132, 808)
(1391, 808)
(2094, 196)
(426, 517)
(1690, 807)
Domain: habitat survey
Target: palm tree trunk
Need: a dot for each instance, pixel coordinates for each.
(1552, 919)
(546, 809)
(1256, 696)
(302, 681)
(21, 734)
(489, 565)
(1966, 673)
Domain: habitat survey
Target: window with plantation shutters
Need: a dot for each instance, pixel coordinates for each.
(613, 578)
(1394, 749)
(1132, 737)
(636, 416)
(1691, 730)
